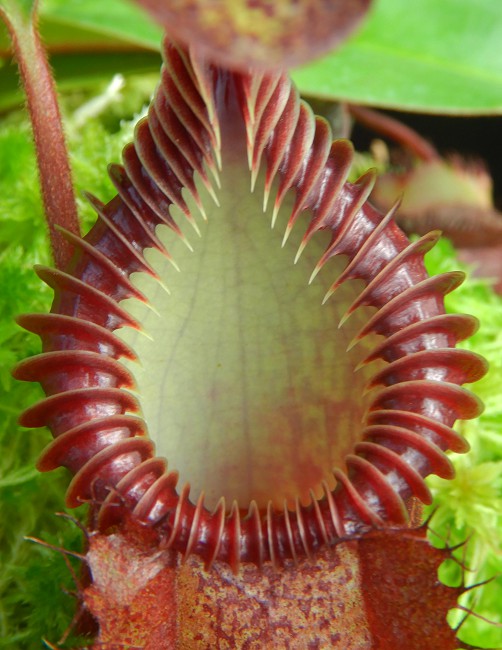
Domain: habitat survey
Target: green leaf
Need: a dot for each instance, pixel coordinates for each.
(18, 8)
(115, 18)
(92, 24)
(424, 55)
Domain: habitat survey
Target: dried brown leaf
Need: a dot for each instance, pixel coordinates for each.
(379, 592)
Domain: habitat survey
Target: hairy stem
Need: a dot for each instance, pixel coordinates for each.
(54, 168)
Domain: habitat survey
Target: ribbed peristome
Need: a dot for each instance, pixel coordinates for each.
(169, 175)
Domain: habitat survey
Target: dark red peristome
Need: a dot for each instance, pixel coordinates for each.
(98, 435)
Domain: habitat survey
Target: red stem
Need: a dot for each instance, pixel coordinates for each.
(53, 165)
(395, 130)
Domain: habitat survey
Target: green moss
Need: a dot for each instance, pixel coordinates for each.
(469, 508)
(34, 579)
